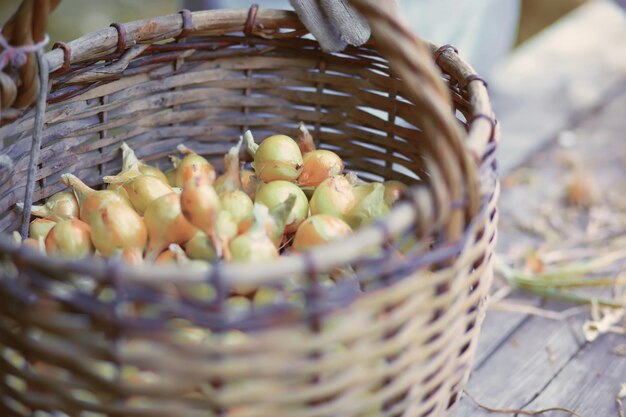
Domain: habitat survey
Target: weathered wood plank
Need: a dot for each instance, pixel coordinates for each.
(589, 383)
(523, 365)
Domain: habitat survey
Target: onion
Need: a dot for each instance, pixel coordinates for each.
(354, 179)
(238, 204)
(141, 189)
(225, 230)
(117, 226)
(199, 201)
(166, 224)
(70, 239)
(319, 230)
(40, 228)
(254, 245)
(277, 192)
(189, 160)
(132, 256)
(305, 140)
(230, 180)
(173, 254)
(90, 200)
(250, 183)
(170, 174)
(334, 196)
(35, 244)
(319, 165)
(200, 247)
(275, 223)
(60, 206)
(369, 204)
(393, 191)
(276, 158)
(129, 160)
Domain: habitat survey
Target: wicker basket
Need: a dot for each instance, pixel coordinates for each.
(91, 338)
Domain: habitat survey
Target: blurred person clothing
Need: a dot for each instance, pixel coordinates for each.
(483, 30)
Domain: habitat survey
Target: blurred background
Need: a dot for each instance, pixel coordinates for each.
(75, 18)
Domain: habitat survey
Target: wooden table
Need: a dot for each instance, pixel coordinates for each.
(526, 361)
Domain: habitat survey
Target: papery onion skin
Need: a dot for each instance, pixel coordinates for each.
(199, 202)
(277, 192)
(250, 183)
(40, 228)
(131, 162)
(319, 165)
(334, 196)
(143, 189)
(60, 206)
(254, 245)
(200, 247)
(189, 160)
(90, 200)
(70, 239)
(230, 180)
(238, 204)
(393, 191)
(166, 224)
(117, 226)
(369, 205)
(319, 230)
(278, 157)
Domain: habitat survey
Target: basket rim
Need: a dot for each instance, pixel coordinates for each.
(480, 131)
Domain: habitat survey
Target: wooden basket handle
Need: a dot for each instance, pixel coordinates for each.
(25, 28)
(455, 194)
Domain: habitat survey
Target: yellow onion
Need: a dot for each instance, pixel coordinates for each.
(37, 244)
(141, 189)
(166, 224)
(319, 165)
(200, 247)
(170, 175)
(60, 206)
(393, 191)
(305, 140)
(129, 161)
(40, 228)
(250, 183)
(238, 204)
(230, 180)
(254, 245)
(354, 179)
(225, 230)
(132, 256)
(319, 230)
(90, 200)
(276, 158)
(70, 239)
(275, 222)
(369, 205)
(117, 226)
(199, 201)
(334, 196)
(191, 158)
(277, 192)
(173, 254)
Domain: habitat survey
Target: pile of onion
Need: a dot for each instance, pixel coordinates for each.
(291, 198)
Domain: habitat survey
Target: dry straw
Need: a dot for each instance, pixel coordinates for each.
(395, 337)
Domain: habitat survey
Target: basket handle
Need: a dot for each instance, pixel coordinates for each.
(24, 33)
(454, 197)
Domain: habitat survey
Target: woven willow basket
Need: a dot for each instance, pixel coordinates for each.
(92, 338)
